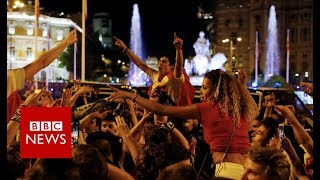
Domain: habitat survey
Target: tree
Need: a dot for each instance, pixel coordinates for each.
(93, 51)
(277, 81)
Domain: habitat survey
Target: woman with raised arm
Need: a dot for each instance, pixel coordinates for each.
(225, 111)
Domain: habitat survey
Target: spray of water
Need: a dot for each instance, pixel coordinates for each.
(136, 76)
(272, 53)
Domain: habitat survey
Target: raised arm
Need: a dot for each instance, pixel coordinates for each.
(33, 100)
(183, 112)
(136, 60)
(251, 105)
(179, 56)
(49, 56)
(297, 165)
(300, 133)
(269, 102)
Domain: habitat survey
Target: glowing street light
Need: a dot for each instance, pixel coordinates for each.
(232, 58)
(14, 4)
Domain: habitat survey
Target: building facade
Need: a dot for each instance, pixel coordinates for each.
(102, 25)
(23, 46)
(234, 19)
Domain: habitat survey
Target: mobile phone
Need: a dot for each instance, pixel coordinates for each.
(75, 133)
(281, 131)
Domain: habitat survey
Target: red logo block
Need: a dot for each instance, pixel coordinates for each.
(45, 132)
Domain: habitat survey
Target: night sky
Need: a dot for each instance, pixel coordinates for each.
(159, 20)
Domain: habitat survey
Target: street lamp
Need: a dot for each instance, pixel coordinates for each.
(232, 58)
(14, 4)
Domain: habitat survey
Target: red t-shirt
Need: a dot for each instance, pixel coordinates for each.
(217, 129)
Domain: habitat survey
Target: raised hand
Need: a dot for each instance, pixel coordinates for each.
(242, 77)
(76, 85)
(269, 100)
(57, 102)
(119, 43)
(119, 94)
(286, 111)
(29, 92)
(71, 37)
(178, 42)
(121, 126)
(100, 115)
(84, 89)
(66, 98)
(34, 100)
(308, 87)
(146, 114)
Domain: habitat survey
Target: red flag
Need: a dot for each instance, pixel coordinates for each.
(37, 10)
(186, 92)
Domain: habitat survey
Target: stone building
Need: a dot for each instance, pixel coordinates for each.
(21, 42)
(233, 19)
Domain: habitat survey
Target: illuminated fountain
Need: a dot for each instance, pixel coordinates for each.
(272, 53)
(136, 76)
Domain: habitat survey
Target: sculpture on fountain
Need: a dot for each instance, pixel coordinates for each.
(200, 61)
(217, 62)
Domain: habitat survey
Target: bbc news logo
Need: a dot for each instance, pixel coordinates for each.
(46, 126)
(45, 132)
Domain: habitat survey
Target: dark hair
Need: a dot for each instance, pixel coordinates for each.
(153, 157)
(90, 162)
(178, 171)
(104, 147)
(272, 126)
(109, 117)
(170, 55)
(116, 146)
(154, 134)
(16, 165)
(54, 169)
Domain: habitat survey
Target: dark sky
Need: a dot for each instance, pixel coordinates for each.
(159, 19)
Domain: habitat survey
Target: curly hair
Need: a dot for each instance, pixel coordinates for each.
(273, 159)
(233, 97)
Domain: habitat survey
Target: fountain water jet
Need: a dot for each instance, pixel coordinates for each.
(136, 76)
(272, 53)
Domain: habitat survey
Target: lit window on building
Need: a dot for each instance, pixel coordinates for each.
(59, 35)
(29, 30)
(45, 32)
(12, 29)
(12, 52)
(29, 53)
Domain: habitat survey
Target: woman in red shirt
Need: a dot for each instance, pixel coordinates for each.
(225, 111)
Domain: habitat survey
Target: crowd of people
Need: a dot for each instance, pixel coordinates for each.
(167, 135)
